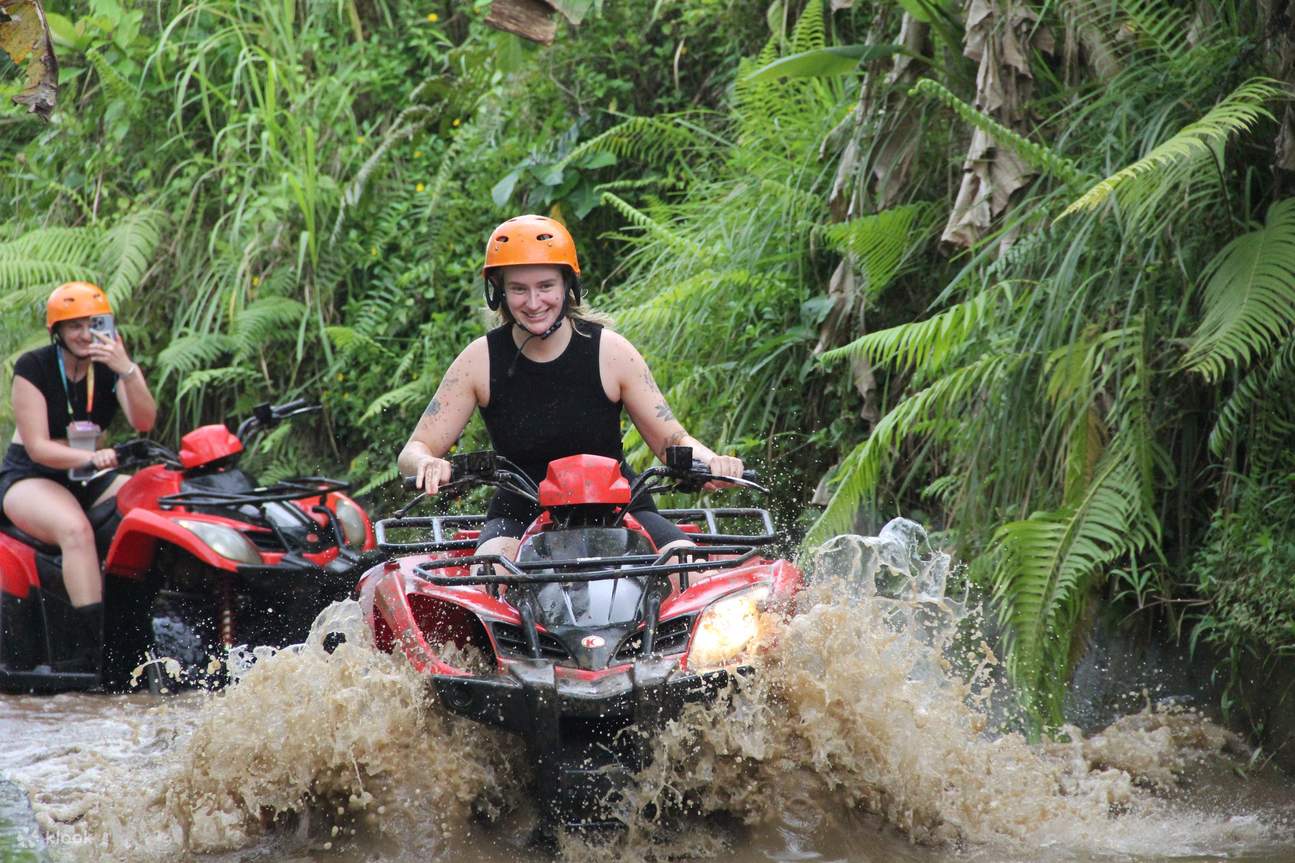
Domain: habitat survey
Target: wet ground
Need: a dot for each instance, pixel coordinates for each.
(870, 735)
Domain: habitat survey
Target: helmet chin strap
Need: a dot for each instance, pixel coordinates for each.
(57, 338)
(553, 328)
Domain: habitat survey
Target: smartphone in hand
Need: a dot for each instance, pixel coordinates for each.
(103, 325)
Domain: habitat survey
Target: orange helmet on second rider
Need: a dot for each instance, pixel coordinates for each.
(75, 300)
(530, 240)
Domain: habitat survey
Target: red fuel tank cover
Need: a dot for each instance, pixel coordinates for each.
(206, 444)
(582, 479)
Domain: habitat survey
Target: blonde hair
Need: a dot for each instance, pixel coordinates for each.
(577, 312)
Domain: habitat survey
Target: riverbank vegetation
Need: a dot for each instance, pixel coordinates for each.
(1025, 271)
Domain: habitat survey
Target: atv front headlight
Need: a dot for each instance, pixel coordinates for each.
(225, 541)
(727, 627)
(352, 521)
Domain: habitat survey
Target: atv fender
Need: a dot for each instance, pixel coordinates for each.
(135, 544)
(13, 570)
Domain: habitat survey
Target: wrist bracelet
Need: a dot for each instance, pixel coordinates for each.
(130, 371)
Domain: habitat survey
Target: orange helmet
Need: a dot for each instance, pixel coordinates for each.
(529, 240)
(75, 300)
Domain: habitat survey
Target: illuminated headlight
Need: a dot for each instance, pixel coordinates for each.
(225, 541)
(727, 628)
(352, 522)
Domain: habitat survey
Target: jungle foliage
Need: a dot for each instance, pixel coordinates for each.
(1026, 271)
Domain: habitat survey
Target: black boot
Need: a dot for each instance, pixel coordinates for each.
(86, 643)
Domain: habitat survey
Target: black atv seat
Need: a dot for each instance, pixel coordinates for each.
(98, 515)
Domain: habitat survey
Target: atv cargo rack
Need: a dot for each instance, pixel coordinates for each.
(443, 526)
(583, 569)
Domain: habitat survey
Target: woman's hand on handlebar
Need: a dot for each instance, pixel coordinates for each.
(432, 473)
(723, 465)
(103, 459)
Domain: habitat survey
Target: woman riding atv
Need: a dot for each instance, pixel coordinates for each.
(550, 382)
(63, 396)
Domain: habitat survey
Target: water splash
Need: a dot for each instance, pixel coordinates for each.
(868, 715)
(857, 705)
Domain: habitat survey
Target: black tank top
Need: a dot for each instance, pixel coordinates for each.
(544, 411)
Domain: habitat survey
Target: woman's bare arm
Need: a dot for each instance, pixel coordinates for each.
(460, 392)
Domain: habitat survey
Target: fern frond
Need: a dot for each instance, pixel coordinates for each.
(651, 140)
(1254, 389)
(378, 478)
(402, 396)
(47, 256)
(928, 344)
(113, 81)
(809, 32)
(1158, 24)
(1040, 157)
(1177, 158)
(675, 241)
(189, 353)
(264, 320)
(204, 378)
(1046, 563)
(127, 253)
(1249, 297)
(881, 242)
(348, 339)
(861, 469)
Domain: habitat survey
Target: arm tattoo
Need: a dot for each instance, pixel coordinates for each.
(434, 406)
(676, 438)
(663, 412)
(650, 381)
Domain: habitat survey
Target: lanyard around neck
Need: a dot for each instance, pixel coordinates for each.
(67, 392)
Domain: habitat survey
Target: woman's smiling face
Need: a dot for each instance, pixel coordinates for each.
(534, 293)
(76, 336)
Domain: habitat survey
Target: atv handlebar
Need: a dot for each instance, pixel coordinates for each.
(138, 452)
(266, 416)
(680, 472)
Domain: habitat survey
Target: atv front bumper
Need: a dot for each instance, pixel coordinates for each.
(533, 700)
(586, 738)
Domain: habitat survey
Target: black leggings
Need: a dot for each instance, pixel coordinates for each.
(509, 515)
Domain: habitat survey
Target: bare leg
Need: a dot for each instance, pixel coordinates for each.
(49, 512)
(504, 546)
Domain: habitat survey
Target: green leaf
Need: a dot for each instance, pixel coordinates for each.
(573, 10)
(550, 175)
(597, 159)
(503, 190)
(823, 62)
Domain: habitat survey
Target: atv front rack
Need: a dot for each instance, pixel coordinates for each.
(443, 526)
(583, 569)
(439, 525)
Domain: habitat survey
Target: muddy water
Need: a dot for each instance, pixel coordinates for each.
(872, 732)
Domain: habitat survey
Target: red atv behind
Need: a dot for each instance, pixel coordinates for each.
(196, 556)
(592, 636)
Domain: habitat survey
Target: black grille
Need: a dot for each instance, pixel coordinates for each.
(512, 640)
(671, 637)
(265, 540)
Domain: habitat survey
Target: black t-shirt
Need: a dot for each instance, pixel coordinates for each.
(41, 368)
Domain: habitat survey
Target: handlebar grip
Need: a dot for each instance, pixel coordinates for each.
(699, 466)
(409, 481)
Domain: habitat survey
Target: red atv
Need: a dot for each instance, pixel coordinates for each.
(196, 556)
(590, 636)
